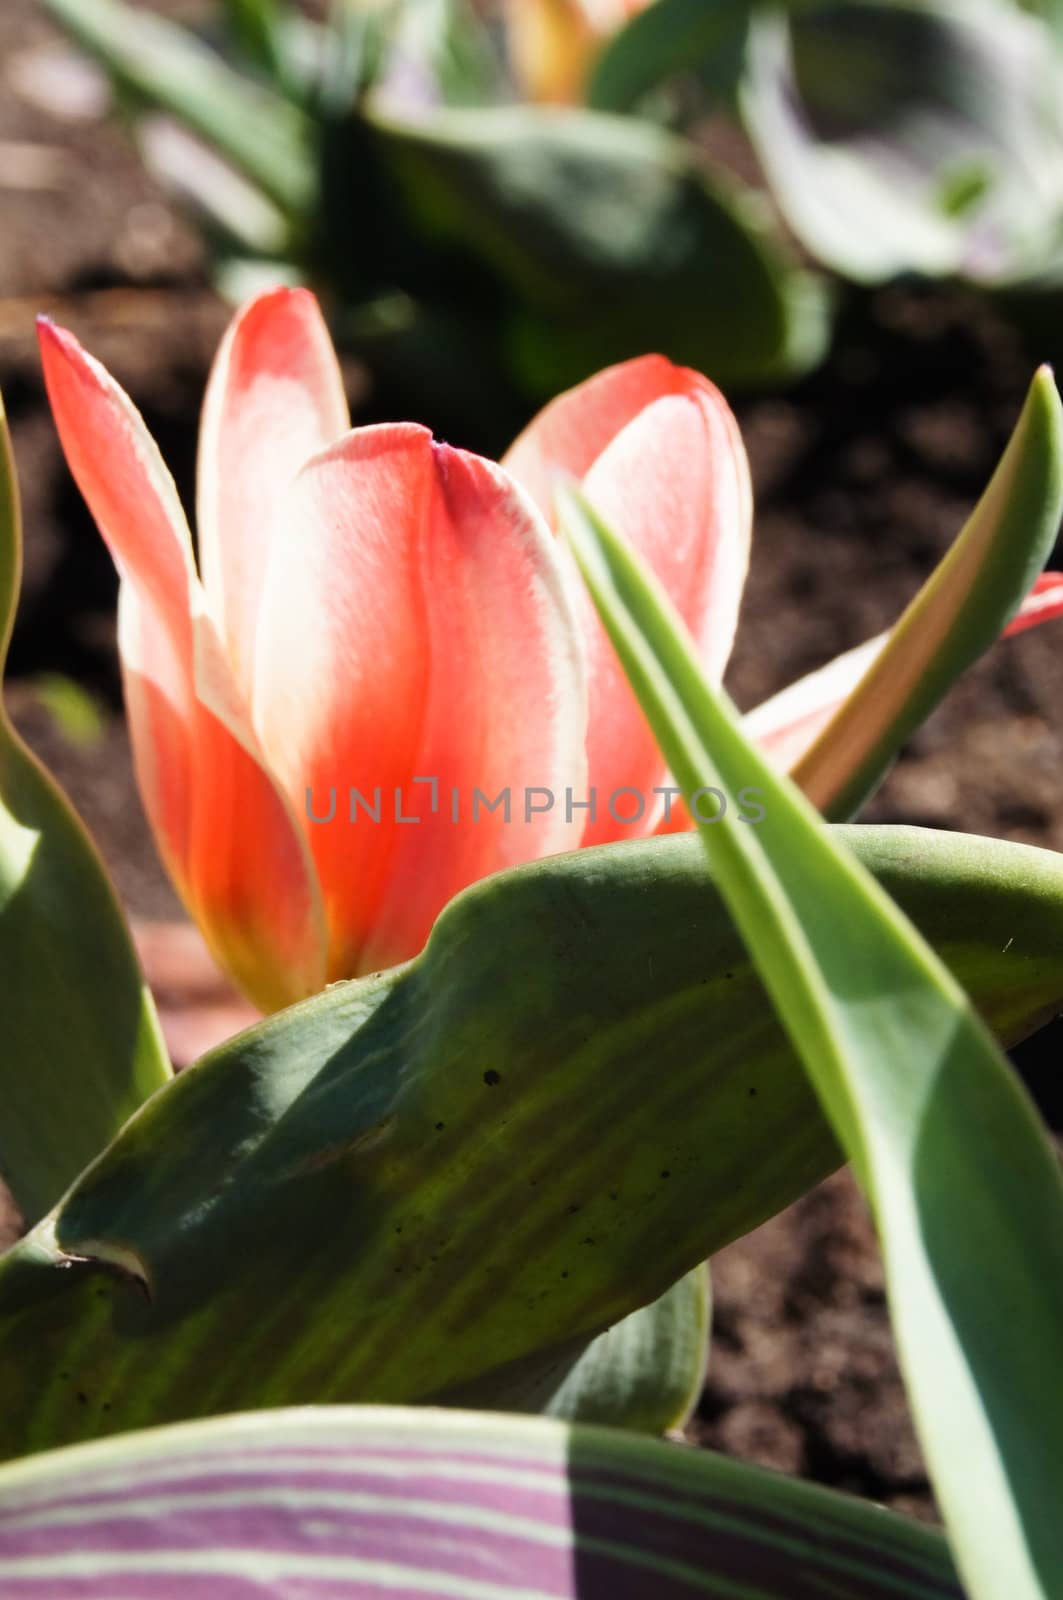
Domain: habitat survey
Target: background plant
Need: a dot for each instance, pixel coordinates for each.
(482, 253)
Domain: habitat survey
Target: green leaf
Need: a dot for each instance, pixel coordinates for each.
(1050, 10)
(371, 1501)
(645, 1373)
(648, 1371)
(257, 26)
(258, 131)
(965, 1188)
(80, 1047)
(910, 135)
(603, 235)
(417, 1179)
(667, 38)
(959, 612)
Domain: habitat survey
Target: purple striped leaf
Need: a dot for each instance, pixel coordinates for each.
(433, 1505)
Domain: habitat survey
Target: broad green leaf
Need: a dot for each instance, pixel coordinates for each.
(80, 1047)
(345, 1501)
(706, 37)
(604, 236)
(959, 612)
(965, 1188)
(574, 1095)
(262, 134)
(910, 135)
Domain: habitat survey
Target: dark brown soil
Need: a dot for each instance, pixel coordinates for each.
(863, 475)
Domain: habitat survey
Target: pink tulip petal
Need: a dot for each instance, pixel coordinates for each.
(674, 483)
(413, 625)
(791, 721)
(1042, 604)
(217, 812)
(661, 458)
(342, 668)
(252, 880)
(275, 399)
(570, 433)
(506, 707)
(161, 715)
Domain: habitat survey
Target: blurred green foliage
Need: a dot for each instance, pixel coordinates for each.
(481, 252)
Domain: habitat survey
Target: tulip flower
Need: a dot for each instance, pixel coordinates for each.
(552, 43)
(382, 681)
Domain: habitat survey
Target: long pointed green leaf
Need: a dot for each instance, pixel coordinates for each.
(261, 133)
(449, 1506)
(576, 1094)
(80, 1047)
(959, 612)
(965, 1188)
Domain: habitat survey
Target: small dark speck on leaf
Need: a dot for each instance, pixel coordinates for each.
(728, 974)
(440, 1126)
(572, 1210)
(564, 1274)
(588, 1240)
(491, 1077)
(83, 1397)
(666, 1173)
(398, 1227)
(752, 1094)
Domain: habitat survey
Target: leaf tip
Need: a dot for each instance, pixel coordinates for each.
(1045, 394)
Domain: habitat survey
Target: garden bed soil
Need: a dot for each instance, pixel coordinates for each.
(863, 474)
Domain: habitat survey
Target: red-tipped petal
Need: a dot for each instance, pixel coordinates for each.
(216, 811)
(414, 625)
(121, 474)
(275, 399)
(791, 721)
